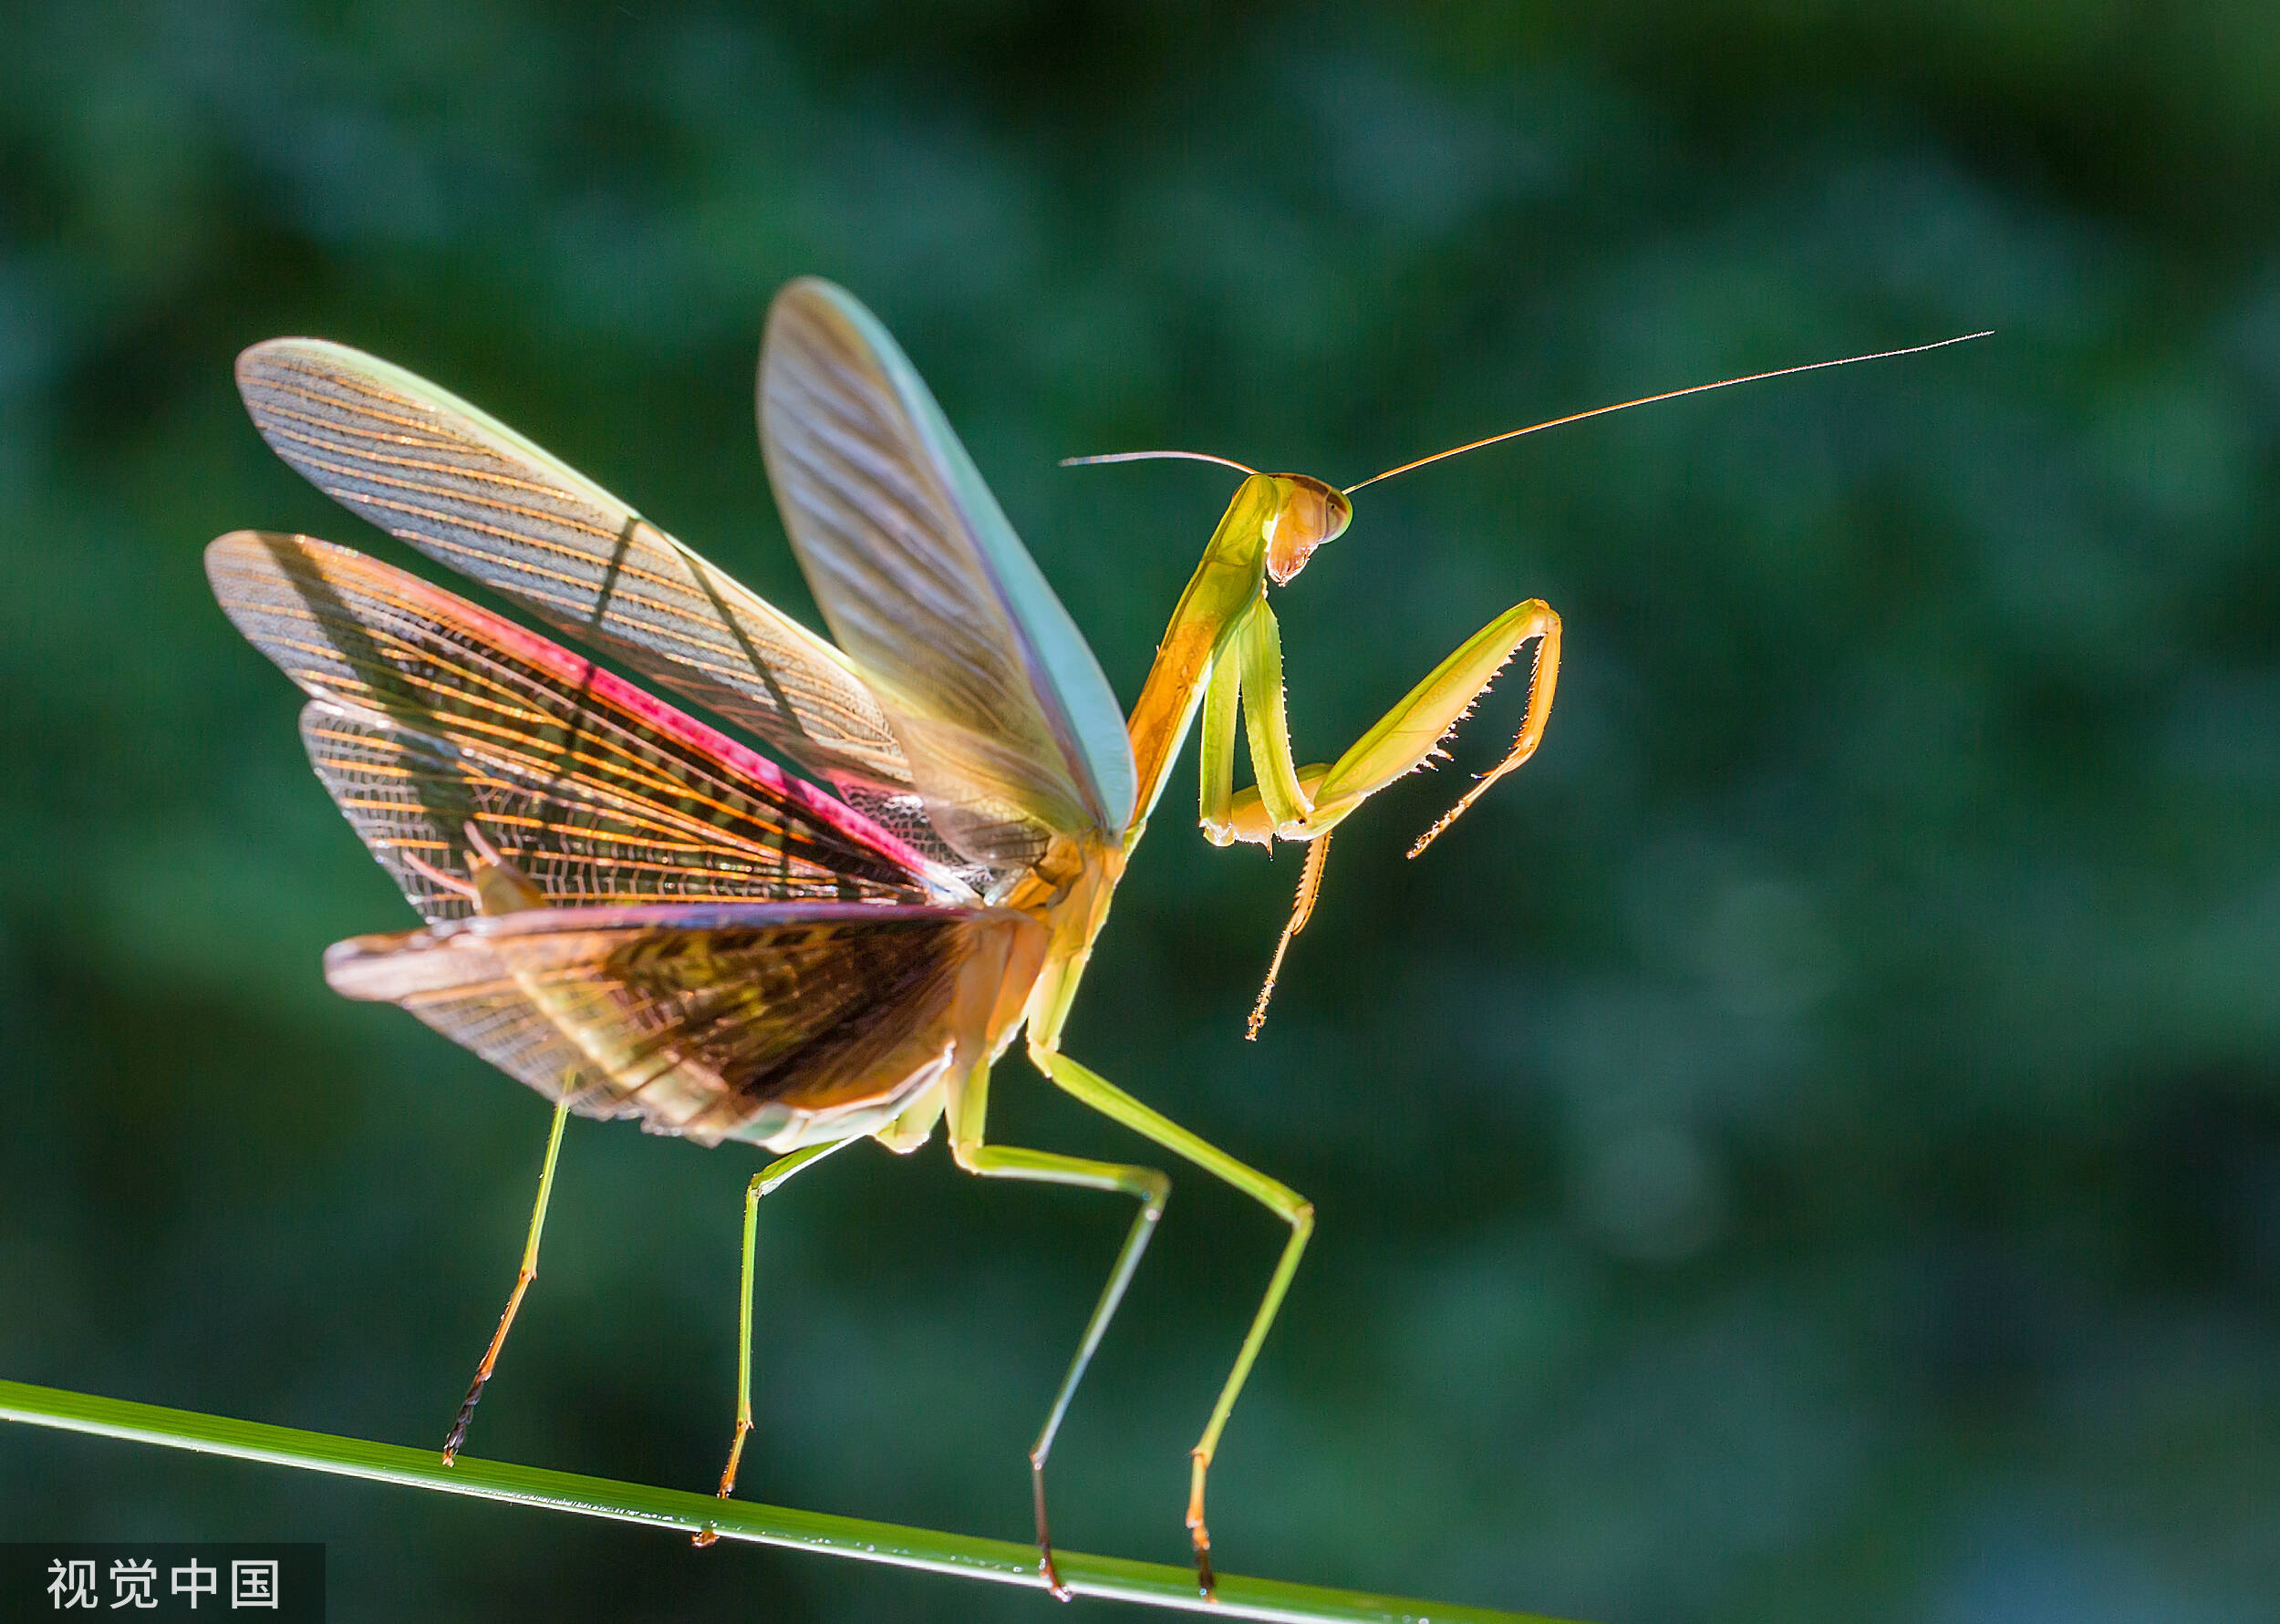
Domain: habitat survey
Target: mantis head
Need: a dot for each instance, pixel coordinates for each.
(1310, 513)
(1307, 511)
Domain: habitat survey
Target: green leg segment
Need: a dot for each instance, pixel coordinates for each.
(768, 1178)
(1300, 803)
(524, 1276)
(969, 1118)
(1286, 1203)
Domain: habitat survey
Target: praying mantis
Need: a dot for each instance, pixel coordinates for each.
(639, 916)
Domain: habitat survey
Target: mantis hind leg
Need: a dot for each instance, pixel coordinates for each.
(969, 1117)
(522, 1278)
(768, 1178)
(1286, 1203)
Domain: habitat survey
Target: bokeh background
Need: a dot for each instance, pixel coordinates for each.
(1807, 1148)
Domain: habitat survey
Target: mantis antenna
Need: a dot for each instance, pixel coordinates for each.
(1154, 457)
(1597, 411)
(1600, 411)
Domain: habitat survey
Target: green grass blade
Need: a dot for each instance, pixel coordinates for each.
(998, 1560)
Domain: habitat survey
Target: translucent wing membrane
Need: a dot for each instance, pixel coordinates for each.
(707, 1021)
(489, 1018)
(408, 795)
(431, 712)
(1012, 734)
(472, 494)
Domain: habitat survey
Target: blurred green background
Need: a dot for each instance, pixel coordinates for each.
(1807, 1148)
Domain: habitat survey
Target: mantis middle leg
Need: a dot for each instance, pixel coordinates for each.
(970, 1110)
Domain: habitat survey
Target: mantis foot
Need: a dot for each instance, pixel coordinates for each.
(705, 1537)
(1051, 1572)
(1045, 1564)
(736, 1455)
(458, 1438)
(1206, 1582)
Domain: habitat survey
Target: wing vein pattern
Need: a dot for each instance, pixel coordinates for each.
(471, 493)
(707, 1020)
(1012, 734)
(428, 712)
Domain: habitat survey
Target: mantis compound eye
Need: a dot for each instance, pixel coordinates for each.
(1311, 513)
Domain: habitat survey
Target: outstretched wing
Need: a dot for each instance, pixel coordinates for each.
(470, 493)
(431, 712)
(1011, 732)
(707, 1021)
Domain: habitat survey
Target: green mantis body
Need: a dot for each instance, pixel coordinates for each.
(654, 921)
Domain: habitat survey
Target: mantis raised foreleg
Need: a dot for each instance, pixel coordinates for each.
(1223, 655)
(1300, 803)
(1305, 803)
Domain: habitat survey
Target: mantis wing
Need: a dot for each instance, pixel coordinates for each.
(1012, 734)
(431, 712)
(471, 493)
(709, 1021)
